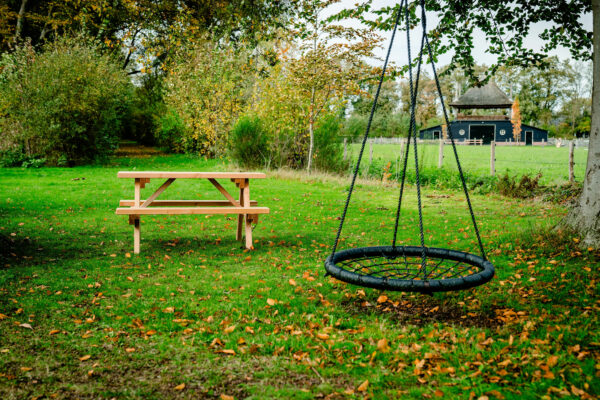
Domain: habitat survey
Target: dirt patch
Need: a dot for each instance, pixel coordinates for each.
(423, 310)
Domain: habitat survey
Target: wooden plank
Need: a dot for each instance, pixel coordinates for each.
(136, 192)
(137, 234)
(161, 189)
(238, 235)
(184, 203)
(176, 175)
(246, 204)
(224, 192)
(192, 210)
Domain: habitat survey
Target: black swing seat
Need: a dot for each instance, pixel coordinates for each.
(402, 268)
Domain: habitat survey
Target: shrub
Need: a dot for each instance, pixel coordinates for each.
(524, 188)
(66, 103)
(170, 130)
(249, 142)
(329, 151)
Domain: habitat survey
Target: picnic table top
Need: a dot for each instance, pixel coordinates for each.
(178, 174)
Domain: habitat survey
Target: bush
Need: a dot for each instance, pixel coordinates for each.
(526, 187)
(170, 130)
(249, 142)
(66, 103)
(329, 151)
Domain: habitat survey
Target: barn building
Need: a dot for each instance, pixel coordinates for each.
(485, 127)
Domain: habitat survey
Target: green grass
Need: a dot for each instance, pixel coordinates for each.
(551, 162)
(197, 310)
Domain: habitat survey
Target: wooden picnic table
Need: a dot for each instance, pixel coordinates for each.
(245, 208)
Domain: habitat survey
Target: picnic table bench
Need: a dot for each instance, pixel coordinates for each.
(245, 208)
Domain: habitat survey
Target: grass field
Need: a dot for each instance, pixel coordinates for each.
(194, 316)
(551, 162)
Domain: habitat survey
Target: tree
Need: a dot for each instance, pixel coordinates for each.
(328, 70)
(148, 32)
(515, 119)
(504, 24)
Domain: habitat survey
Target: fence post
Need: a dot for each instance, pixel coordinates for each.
(572, 161)
(441, 154)
(493, 158)
(345, 149)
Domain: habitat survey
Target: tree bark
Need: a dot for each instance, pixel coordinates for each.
(20, 16)
(585, 216)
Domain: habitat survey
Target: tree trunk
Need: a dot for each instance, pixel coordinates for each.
(311, 130)
(585, 216)
(19, 27)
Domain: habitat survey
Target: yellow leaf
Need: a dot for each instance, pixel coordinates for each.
(54, 331)
(363, 386)
(2, 316)
(130, 349)
(292, 282)
(25, 369)
(128, 255)
(180, 387)
(271, 302)
(227, 351)
(151, 332)
(169, 310)
(382, 345)
(84, 358)
(225, 397)
(130, 279)
(323, 336)
(382, 299)
(229, 329)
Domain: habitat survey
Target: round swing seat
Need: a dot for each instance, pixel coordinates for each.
(401, 268)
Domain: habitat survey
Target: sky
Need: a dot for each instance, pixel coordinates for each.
(399, 57)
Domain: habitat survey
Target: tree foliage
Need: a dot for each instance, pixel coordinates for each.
(65, 103)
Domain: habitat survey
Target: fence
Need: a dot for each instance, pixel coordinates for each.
(523, 159)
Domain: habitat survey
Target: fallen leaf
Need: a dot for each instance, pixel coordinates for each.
(28, 326)
(84, 358)
(130, 349)
(382, 345)
(130, 279)
(382, 299)
(169, 310)
(271, 302)
(2, 316)
(225, 397)
(363, 386)
(227, 351)
(229, 329)
(323, 336)
(25, 369)
(180, 387)
(292, 282)
(54, 331)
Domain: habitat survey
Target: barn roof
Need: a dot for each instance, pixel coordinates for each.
(488, 96)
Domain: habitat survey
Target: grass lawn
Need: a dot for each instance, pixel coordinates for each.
(195, 316)
(551, 162)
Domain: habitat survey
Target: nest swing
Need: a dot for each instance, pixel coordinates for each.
(410, 268)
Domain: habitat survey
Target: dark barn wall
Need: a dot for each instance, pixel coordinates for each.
(503, 131)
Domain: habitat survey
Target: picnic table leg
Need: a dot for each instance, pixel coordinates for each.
(246, 216)
(240, 216)
(136, 235)
(136, 218)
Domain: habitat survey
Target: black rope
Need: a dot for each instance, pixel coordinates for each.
(364, 142)
(447, 120)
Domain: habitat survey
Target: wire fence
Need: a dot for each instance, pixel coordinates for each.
(557, 161)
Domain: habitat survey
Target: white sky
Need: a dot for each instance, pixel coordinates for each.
(480, 46)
